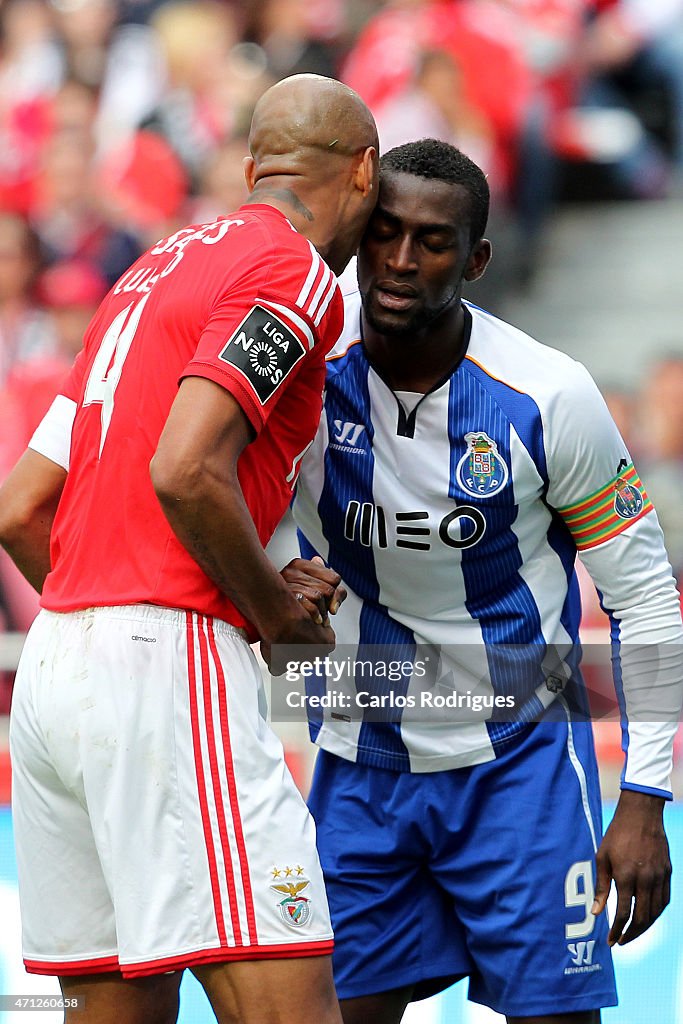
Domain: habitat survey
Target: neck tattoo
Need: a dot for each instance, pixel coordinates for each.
(285, 195)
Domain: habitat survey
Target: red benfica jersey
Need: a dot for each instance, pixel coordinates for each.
(245, 301)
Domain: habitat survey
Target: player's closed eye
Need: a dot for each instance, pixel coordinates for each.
(437, 243)
(382, 229)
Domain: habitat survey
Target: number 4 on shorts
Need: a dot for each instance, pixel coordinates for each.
(111, 355)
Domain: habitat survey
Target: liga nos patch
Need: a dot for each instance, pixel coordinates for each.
(264, 350)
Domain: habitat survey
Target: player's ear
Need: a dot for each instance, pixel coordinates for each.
(367, 171)
(478, 260)
(249, 172)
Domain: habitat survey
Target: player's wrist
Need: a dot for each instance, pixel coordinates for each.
(278, 622)
(647, 805)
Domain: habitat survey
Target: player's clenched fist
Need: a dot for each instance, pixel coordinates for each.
(317, 587)
(318, 592)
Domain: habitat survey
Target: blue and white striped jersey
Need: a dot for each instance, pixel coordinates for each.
(457, 523)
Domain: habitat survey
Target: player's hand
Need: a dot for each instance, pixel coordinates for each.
(635, 853)
(318, 593)
(318, 588)
(297, 640)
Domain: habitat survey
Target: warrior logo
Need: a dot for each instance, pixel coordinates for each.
(628, 501)
(295, 909)
(481, 471)
(347, 437)
(581, 953)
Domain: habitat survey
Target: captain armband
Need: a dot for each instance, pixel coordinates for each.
(608, 511)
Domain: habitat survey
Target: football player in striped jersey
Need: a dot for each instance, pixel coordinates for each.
(458, 469)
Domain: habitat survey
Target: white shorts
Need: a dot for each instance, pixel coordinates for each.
(156, 824)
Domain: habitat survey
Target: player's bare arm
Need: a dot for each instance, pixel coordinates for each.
(635, 854)
(194, 474)
(28, 502)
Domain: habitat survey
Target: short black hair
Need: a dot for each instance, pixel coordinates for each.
(434, 159)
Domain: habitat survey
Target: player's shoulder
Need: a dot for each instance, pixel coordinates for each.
(277, 232)
(508, 355)
(290, 268)
(257, 232)
(348, 346)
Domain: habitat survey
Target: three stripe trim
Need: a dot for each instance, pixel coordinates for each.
(318, 288)
(221, 821)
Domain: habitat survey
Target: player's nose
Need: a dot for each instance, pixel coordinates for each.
(401, 256)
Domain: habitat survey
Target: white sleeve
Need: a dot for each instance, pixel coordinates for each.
(52, 437)
(595, 488)
(633, 575)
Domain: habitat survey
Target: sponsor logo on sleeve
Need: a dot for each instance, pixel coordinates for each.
(264, 350)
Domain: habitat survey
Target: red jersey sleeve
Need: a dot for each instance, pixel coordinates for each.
(72, 385)
(268, 322)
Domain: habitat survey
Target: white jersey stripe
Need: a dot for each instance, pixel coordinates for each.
(341, 737)
(310, 277)
(580, 773)
(326, 300)
(322, 285)
(294, 319)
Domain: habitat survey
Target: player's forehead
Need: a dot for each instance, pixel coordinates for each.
(416, 201)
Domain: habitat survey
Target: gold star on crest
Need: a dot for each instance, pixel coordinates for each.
(276, 873)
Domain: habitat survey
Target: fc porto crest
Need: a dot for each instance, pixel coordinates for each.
(628, 501)
(481, 471)
(295, 909)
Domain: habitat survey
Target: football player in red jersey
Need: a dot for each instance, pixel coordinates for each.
(176, 836)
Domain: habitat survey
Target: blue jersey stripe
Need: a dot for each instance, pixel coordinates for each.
(385, 641)
(315, 684)
(560, 540)
(347, 514)
(348, 479)
(497, 596)
(516, 408)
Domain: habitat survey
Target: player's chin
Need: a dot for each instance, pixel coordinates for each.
(391, 321)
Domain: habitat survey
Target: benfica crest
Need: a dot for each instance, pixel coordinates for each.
(295, 909)
(481, 471)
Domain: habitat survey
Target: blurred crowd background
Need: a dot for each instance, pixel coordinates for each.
(122, 120)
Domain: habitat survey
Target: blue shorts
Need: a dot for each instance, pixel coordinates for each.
(485, 871)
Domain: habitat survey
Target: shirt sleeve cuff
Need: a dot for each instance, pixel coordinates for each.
(52, 437)
(230, 383)
(666, 794)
